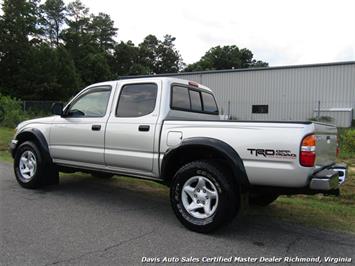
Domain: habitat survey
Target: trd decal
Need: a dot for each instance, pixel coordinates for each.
(267, 153)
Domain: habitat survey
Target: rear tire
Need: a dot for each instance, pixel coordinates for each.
(262, 200)
(204, 196)
(31, 171)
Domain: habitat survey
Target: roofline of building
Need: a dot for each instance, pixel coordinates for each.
(240, 70)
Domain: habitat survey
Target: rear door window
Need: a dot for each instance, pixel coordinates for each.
(137, 100)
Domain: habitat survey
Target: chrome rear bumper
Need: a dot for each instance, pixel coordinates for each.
(329, 179)
(343, 172)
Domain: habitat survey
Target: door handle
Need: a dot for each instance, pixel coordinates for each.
(144, 128)
(96, 127)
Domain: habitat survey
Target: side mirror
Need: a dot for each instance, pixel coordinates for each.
(57, 109)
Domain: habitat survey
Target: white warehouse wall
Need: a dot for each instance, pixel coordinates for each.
(292, 93)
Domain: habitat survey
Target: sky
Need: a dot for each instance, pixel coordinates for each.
(280, 32)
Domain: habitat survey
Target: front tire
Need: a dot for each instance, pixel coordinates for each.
(203, 196)
(31, 171)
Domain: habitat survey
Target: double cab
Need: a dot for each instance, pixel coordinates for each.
(170, 130)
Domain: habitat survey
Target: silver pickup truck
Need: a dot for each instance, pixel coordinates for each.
(169, 130)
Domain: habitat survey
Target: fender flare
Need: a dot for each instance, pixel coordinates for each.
(221, 147)
(37, 135)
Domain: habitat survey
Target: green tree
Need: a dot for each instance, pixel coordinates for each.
(77, 33)
(53, 77)
(148, 52)
(103, 31)
(18, 31)
(258, 63)
(226, 57)
(168, 59)
(78, 16)
(160, 56)
(95, 68)
(67, 75)
(40, 82)
(88, 39)
(54, 13)
(49, 51)
(126, 60)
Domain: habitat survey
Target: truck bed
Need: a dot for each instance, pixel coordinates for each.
(269, 150)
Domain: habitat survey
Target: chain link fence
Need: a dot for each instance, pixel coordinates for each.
(13, 111)
(38, 107)
(2, 114)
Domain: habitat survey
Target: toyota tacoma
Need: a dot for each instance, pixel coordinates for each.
(169, 130)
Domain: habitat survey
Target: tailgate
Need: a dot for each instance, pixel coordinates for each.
(326, 144)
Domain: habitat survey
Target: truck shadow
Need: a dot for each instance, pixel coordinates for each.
(116, 218)
(118, 196)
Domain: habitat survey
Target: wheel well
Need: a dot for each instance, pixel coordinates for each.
(38, 139)
(191, 153)
(27, 136)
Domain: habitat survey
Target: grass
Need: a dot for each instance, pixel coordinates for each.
(5, 136)
(326, 212)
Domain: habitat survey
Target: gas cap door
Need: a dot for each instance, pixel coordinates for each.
(174, 138)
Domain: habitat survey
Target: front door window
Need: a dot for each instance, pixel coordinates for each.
(91, 104)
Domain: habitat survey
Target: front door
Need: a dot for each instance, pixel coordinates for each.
(131, 129)
(78, 137)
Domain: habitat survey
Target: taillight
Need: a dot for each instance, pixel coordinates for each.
(338, 147)
(308, 151)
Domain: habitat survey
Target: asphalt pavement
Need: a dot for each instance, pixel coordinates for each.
(88, 221)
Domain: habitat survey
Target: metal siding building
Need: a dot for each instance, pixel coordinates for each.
(291, 92)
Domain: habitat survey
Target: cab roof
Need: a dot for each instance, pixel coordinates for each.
(165, 80)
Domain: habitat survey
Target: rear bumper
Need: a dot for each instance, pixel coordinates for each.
(329, 179)
(326, 181)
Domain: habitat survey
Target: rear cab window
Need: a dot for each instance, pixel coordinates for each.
(209, 103)
(180, 98)
(188, 99)
(196, 102)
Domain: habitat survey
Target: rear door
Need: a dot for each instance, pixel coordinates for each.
(131, 129)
